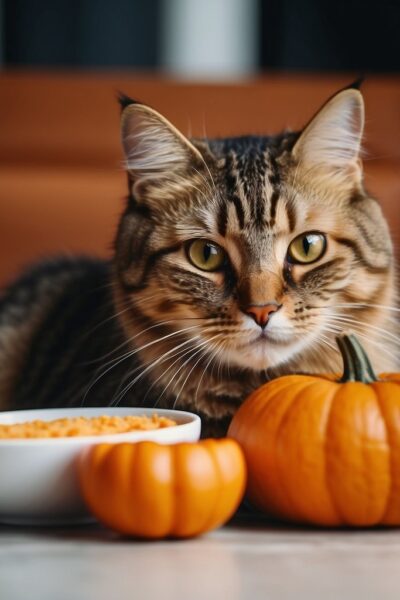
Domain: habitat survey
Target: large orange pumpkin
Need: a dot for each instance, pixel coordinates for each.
(153, 491)
(325, 451)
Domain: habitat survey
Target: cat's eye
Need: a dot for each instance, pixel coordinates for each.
(206, 255)
(307, 248)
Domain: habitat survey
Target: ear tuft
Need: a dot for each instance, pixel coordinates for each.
(331, 141)
(356, 85)
(124, 100)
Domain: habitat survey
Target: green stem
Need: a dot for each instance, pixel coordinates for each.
(356, 364)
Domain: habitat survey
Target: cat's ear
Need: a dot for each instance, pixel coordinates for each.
(154, 148)
(330, 143)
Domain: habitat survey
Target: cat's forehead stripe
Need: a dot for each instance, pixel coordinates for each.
(275, 180)
(252, 180)
(232, 184)
(291, 214)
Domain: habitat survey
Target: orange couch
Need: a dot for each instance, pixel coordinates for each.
(61, 181)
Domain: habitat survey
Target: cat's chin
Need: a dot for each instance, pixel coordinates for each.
(263, 353)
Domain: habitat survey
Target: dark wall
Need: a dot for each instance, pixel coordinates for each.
(332, 35)
(81, 32)
(316, 35)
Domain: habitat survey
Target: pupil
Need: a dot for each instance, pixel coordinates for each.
(306, 245)
(208, 250)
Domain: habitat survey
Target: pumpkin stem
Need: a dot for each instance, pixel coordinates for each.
(356, 364)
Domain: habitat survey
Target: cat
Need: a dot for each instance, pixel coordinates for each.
(236, 260)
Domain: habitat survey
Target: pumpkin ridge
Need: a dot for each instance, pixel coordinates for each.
(275, 394)
(391, 460)
(302, 398)
(379, 406)
(327, 477)
(174, 519)
(284, 419)
(359, 472)
(276, 397)
(166, 491)
(261, 409)
(131, 488)
(259, 413)
(210, 518)
(329, 400)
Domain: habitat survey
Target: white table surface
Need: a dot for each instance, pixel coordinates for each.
(249, 559)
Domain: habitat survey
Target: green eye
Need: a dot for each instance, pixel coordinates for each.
(205, 255)
(307, 248)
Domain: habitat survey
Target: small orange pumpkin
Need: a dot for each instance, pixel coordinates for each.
(324, 451)
(151, 490)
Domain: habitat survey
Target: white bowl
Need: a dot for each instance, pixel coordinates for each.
(38, 479)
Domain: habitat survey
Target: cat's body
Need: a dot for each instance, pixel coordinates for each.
(236, 260)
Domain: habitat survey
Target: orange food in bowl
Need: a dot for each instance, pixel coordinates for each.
(83, 426)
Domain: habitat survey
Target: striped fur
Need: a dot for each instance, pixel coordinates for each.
(152, 329)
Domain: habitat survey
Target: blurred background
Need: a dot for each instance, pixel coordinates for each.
(213, 67)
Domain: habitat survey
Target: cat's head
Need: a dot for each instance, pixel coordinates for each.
(244, 248)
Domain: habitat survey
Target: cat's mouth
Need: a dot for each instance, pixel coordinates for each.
(262, 340)
(262, 349)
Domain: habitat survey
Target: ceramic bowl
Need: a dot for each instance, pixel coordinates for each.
(38, 478)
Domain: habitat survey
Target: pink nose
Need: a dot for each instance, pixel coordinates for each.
(261, 313)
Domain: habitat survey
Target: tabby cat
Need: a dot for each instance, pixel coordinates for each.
(236, 260)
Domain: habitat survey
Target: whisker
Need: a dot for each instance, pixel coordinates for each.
(323, 341)
(124, 343)
(190, 372)
(203, 352)
(182, 354)
(213, 355)
(360, 305)
(363, 335)
(132, 353)
(385, 333)
(130, 339)
(328, 342)
(223, 344)
(147, 369)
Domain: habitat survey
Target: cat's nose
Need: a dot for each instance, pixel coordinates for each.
(261, 312)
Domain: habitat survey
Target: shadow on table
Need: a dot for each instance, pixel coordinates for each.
(247, 518)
